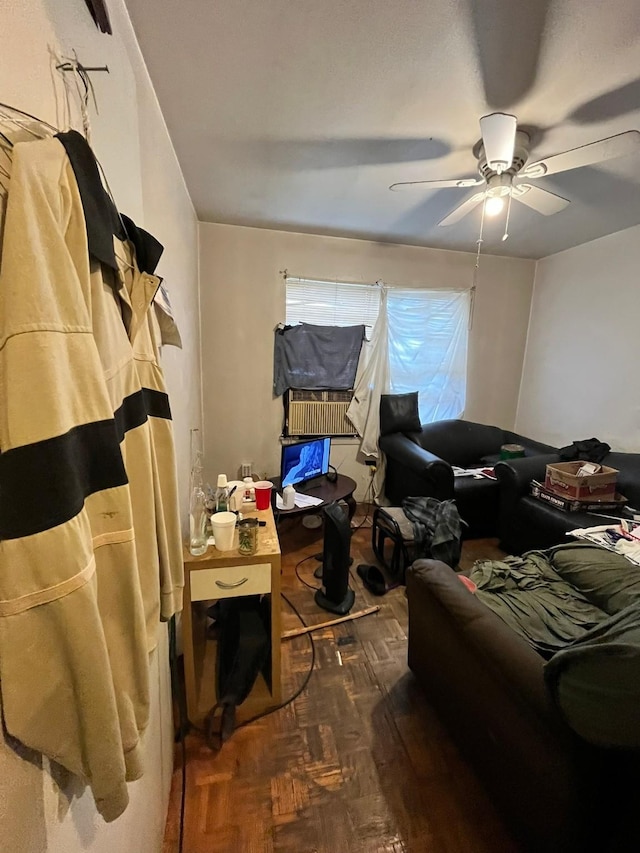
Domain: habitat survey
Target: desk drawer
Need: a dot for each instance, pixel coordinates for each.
(230, 581)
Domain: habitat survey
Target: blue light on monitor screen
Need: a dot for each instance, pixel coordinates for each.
(304, 460)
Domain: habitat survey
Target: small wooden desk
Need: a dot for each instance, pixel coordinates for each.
(340, 490)
(226, 574)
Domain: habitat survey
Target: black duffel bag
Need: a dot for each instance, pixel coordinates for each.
(244, 650)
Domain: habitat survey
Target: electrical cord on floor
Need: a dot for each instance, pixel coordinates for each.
(183, 722)
(368, 494)
(301, 579)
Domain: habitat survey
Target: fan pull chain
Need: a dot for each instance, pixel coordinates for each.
(479, 242)
(506, 224)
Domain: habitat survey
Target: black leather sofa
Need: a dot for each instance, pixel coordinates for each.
(525, 523)
(419, 464)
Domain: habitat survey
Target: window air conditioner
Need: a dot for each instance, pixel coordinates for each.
(309, 413)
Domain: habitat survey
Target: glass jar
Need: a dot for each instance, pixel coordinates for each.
(248, 535)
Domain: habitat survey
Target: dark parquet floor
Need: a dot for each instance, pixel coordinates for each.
(359, 763)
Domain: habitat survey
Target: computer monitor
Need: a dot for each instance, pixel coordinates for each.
(304, 460)
(336, 595)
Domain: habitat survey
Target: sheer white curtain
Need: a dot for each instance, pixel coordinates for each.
(428, 333)
(372, 380)
(419, 343)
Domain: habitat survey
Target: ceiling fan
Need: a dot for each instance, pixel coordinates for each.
(505, 172)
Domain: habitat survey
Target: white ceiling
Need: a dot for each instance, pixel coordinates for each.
(299, 114)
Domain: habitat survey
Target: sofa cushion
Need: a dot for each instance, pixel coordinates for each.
(399, 413)
(595, 681)
(531, 447)
(538, 525)
(477, 502)
(461, 443)
(607, 579)
(490, 460)
(493, 458)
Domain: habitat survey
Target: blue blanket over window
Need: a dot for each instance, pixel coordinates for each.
(316, 357)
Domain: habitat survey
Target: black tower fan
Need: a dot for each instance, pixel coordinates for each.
(336, 596)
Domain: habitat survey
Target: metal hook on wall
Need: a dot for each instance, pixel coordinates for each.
(83, 85)
(73, 66)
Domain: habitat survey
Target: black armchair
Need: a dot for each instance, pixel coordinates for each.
(412, 470)
(420, 463)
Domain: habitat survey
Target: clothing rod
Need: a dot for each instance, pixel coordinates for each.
(286, 275)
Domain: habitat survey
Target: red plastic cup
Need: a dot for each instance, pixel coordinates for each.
(263, 494)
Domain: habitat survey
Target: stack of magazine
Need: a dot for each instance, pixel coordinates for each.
(623, 538)
(566, 504)
(476, 473)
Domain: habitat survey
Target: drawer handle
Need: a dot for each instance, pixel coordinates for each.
(224, 585)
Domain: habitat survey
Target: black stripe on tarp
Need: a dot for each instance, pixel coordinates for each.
(157, 403)
(139, 406)
(131, 414)
(45, 484)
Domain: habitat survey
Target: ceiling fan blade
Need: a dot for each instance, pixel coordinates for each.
(499, 140)
(541, 200)
(462, 209)
(436, 185)
(585, 155)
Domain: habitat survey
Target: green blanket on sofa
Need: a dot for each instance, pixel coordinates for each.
(535, 601)
(580, 606)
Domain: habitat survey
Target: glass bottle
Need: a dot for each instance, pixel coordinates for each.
(222, 494)
(249, 494)
(197, 521)
(197, 500)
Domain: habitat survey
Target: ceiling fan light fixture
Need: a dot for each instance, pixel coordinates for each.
(499, 139)
(504, 171)
(498, 186)
(493, 205)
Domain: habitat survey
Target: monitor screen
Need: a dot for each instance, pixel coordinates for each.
(304, 460)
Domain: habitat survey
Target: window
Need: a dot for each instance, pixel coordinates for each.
(427, 335)
(330, 303)
(428, 332)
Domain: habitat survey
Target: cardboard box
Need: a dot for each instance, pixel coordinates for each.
(564, 504)
(561, 478)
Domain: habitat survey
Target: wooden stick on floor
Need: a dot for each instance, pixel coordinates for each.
(296, 632)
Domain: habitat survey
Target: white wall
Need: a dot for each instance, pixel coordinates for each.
(580, 372)
(243, 298)
(130, 140)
